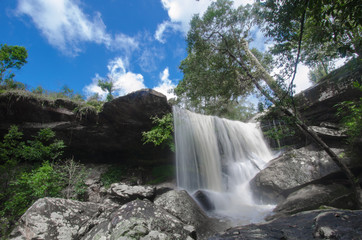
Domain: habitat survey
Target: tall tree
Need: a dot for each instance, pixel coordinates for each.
(313, 31)
(223, 33)
(11, 57)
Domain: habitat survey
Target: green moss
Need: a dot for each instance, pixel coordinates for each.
(114, 174)
(162, 174)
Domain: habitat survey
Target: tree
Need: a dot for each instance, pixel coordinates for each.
(11, 57)
(224, 33)
(107, 85)
(212, 83)
(313, 31)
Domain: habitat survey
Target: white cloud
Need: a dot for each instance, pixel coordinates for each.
(165, 85)
(124, 81)
(301, 78)
(66, 26)
(181, 12)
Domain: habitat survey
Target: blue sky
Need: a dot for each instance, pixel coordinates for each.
(139, 43)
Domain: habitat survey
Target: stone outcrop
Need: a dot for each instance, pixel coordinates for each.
(141, 219)
(291, 171)
(54, 218)
(112, 135)
(180, 204)
(314, 196)
(317, 103)
(319, 224)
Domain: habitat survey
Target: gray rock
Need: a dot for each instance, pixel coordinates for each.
(141, 219)
(55, 218)
(292, 169)
(180, 204)
(314, 196)
(122, 193)
(319, 224)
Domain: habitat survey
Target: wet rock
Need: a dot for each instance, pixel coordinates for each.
(319, 224)
(141, 219)
(204, 200)
(55, 218)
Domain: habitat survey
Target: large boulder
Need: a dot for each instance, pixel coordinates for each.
(313, 197)
(113, 135)
(180, 204)
(319, 224)
(55, 218)
(141, 219)
(291, 171)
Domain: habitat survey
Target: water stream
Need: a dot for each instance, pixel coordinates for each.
(220, 157)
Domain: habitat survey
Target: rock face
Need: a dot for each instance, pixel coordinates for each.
(320, 224)
(54, 218)
(317, 103)
(141, 220)
(113, 135)
(180, 204)
(292, 170)
(314, 196)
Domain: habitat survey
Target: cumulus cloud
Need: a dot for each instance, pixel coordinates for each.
(181, 12)
(66, 26)
(124, 81)
(165, 85)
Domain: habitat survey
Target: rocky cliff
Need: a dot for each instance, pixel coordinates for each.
(112, 135)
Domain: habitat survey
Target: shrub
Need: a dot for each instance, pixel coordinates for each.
(161, 133)
(73, 175)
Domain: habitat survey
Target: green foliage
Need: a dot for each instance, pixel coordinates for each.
(162, 174)
(351, 113)
(39, 90)
(217, 71)
(114, 174)
(331, 29)
(161, 133)
(11, 57)
(43, 181)
(107, 85)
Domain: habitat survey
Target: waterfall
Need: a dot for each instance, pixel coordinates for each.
(220, 157)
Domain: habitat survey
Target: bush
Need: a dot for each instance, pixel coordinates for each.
(161, 133)
(73, 175)
(27, 172)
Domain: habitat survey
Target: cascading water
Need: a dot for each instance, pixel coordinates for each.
(220, 157)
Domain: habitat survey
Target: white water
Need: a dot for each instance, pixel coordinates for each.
(220, 157)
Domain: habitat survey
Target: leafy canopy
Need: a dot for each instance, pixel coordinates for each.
(326, 29)
(213, 81)
(11, 57)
